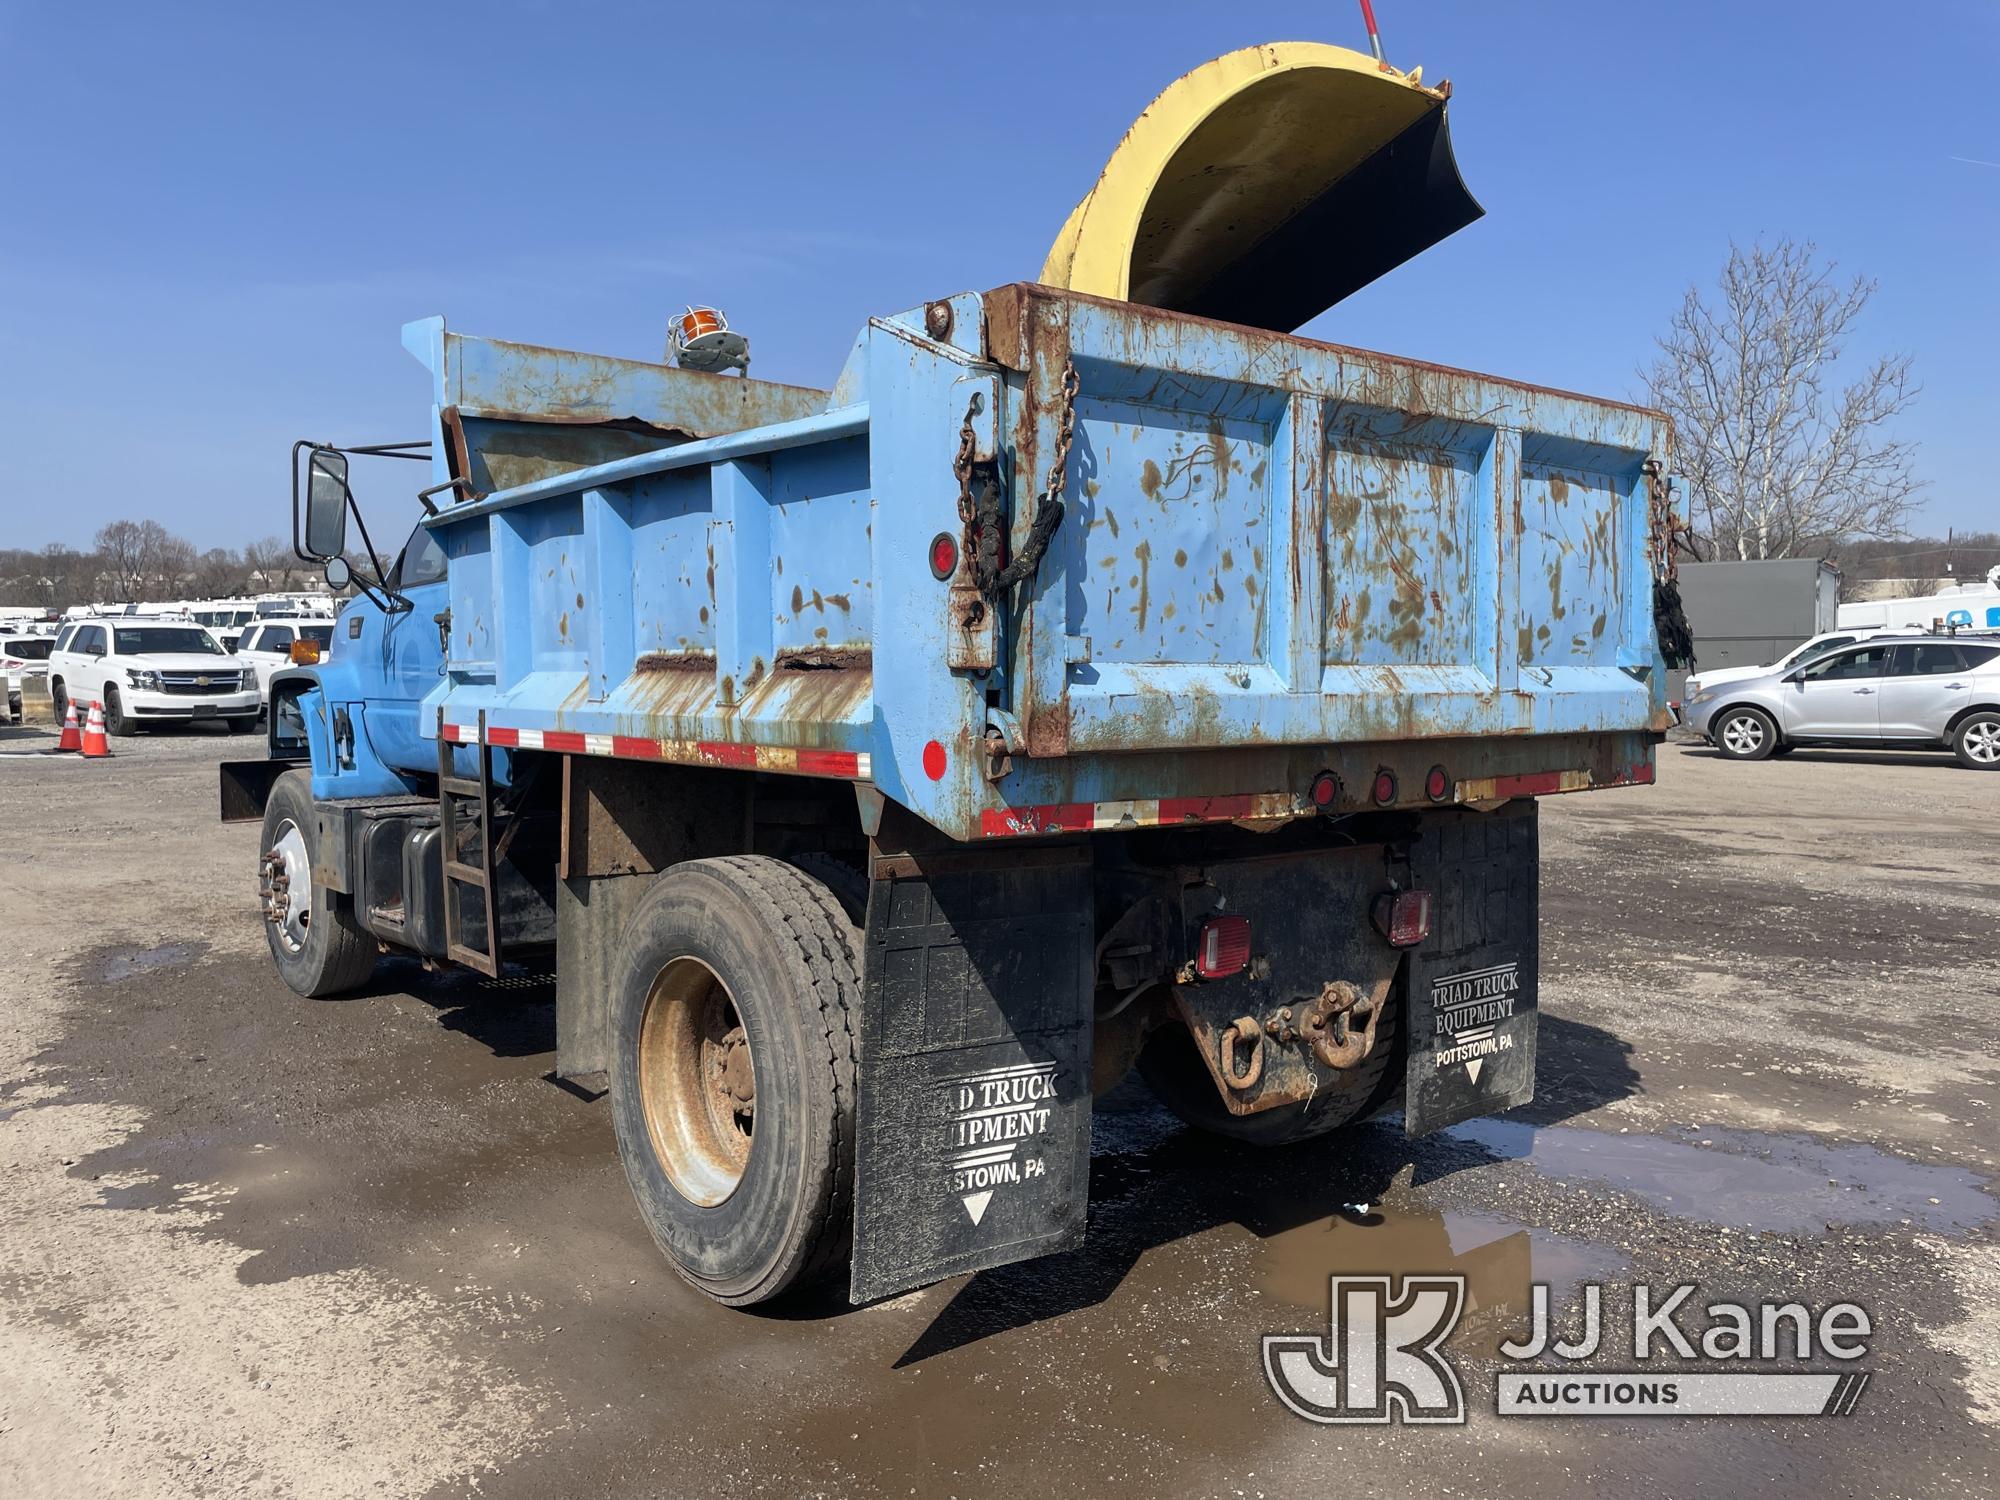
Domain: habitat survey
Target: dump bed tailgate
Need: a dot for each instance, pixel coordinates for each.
(1272, 541)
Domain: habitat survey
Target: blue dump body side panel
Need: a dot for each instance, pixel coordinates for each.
(1278, 557)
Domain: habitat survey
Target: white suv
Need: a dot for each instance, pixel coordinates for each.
(146, 671)
(267, 646)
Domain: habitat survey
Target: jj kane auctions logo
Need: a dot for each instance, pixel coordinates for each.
(1383, 1359)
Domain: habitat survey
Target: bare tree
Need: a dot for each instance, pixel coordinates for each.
(141, 557)
(68, 576)
(1779, 461)
(173, 564)
(268, 563)
(217, 574)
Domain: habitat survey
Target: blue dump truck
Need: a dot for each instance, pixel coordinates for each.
(1082, 683)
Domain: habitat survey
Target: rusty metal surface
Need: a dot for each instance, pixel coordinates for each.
(1278, 557)
(626, 819)
(1297, 1026)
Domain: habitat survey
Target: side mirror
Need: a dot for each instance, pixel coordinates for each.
(326, 503)
(338, 573)
(1798, 676)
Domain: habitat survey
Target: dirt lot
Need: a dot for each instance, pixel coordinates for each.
(259, 1245)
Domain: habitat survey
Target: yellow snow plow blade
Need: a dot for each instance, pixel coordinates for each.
(1265, 186)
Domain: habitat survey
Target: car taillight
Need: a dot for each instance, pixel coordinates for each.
(1385, 787)
(944, 555)
(1437, 785)
(1324, 791)
(1223, 948)
(1403, 917)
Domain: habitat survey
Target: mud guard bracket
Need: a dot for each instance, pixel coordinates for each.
(973, 1114)
(1473, 984)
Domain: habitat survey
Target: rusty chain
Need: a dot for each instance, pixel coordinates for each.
(983, 526)
(1667, 536)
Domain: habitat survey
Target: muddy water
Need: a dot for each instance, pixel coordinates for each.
(1747, 1178)
(1499, 1258)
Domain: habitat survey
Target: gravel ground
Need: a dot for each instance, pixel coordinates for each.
(259, 1245)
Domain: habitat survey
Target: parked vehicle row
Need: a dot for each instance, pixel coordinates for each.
(1925, 692)
(24, 663)
(1819, 645)
(149, 671)
(268, 647)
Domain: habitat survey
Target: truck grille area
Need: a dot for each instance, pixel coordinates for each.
(196, 685)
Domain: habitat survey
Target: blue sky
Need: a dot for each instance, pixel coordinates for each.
(215, 218)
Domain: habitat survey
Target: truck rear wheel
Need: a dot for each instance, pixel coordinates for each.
(318, 946)
(1178, 1077)
(732, 1078)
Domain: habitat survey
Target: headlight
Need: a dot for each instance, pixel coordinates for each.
(1701, 697)
(145, 681)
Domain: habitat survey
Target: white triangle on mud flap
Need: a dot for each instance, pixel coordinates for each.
(1473, 1065)
(975, 1204)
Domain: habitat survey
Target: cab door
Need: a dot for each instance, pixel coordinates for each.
(408, 654)
(1837, 697)
(1926, 684)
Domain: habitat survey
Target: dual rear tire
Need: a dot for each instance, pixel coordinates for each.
(733, 1073)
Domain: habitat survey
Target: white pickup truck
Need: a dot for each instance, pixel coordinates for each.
(150, 671)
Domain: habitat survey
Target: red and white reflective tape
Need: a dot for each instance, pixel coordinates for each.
(1265, 807)
(1547, 783)
(795, 760)
(1142, 812)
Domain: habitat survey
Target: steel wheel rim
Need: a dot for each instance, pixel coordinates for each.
(697, 1082)
(284, 885)
(1982, 742)
(1743, 733)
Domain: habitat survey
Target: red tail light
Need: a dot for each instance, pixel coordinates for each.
(944, 555)
(1223, 947)
(1437, 785)
(1403, 917)
(1385, 787)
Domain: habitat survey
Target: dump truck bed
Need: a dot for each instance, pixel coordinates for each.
(1277, 559)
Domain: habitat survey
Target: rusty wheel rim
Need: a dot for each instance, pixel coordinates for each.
(697, 1082)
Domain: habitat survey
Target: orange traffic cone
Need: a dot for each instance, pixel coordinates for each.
(72, 736)
(95, 745)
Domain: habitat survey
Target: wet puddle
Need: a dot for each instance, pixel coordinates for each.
(121, 964)
(1499, 1258)
(1746, 1178)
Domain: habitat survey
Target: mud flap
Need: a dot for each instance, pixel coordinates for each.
(973, 1113)
(1472, 986)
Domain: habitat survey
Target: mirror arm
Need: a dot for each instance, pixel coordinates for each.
(391, 602)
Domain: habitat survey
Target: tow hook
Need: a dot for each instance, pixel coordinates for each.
(1247, 1031)
(1327, 1025)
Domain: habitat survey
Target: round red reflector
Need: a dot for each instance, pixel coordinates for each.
(934, 761)
(1437, 785)
(944, 555)
(1385, 787)
(1325, 789)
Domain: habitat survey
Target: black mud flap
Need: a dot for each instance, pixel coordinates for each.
(1472, 985)
(973, 1115)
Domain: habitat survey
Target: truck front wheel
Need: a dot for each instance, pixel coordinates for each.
(316, 943)
(732, 1077)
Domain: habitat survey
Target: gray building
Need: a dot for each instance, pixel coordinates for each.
(1746, 613)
